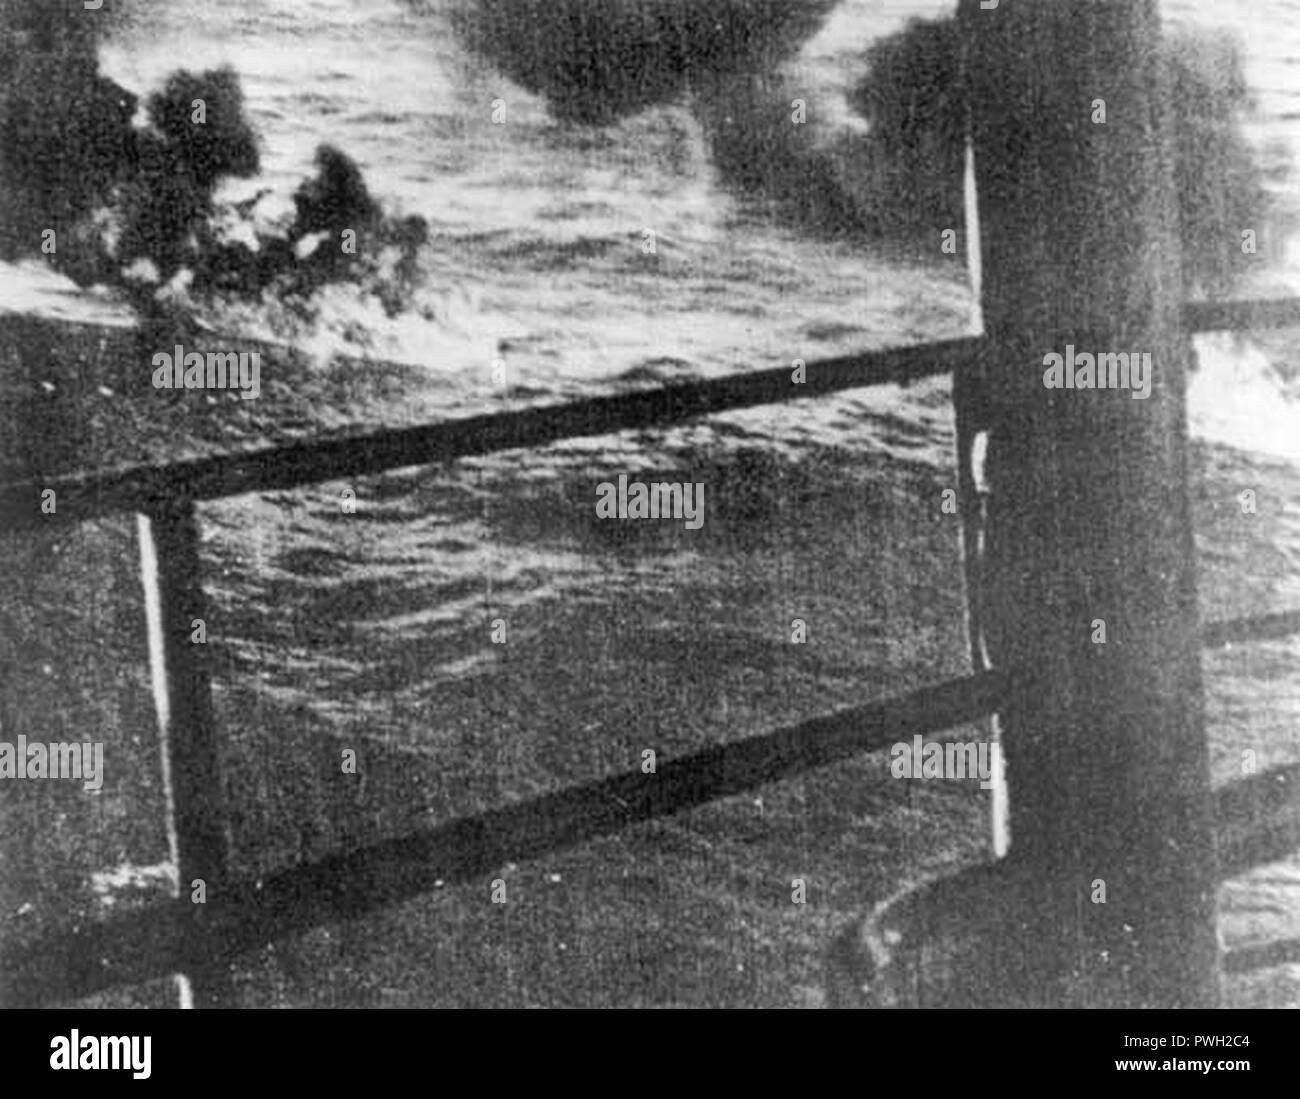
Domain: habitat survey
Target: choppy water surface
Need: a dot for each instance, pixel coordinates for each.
(333, 632)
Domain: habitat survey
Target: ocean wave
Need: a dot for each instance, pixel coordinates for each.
(1240, 397)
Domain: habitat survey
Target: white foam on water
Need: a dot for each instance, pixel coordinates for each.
(34, 288)
(1236, 397)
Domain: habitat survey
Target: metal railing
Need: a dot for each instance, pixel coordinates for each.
(1262, 814)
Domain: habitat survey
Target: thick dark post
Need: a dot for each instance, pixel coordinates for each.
(1089, 571)
(170, 571)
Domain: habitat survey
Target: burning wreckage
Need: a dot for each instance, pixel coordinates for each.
(128, 199)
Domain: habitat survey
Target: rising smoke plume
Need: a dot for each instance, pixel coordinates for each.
(894, 175)
(598, 60)
(121, 190)
(131, 201)
(911, 96)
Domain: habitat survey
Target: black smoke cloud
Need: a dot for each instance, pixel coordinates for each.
(166, 203)
(598, 60)
(1218, 173)
(893, 179)
(76, 159)
(913, 100)
(65, 133)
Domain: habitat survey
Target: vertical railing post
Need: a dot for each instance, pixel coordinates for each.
(170, 569)
(1089, 567)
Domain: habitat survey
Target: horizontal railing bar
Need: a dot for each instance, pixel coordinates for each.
(179, 936)
(1265, 627)
(1238, 316)
(147, 488)
(1244, 959)
(1258, 820)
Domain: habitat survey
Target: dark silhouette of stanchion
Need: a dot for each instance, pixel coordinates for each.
(1080, 566)
(196, 824)
(1089, 559)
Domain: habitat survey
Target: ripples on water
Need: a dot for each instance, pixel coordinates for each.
(337, 632)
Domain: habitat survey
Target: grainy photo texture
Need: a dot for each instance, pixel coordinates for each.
(649, 503)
